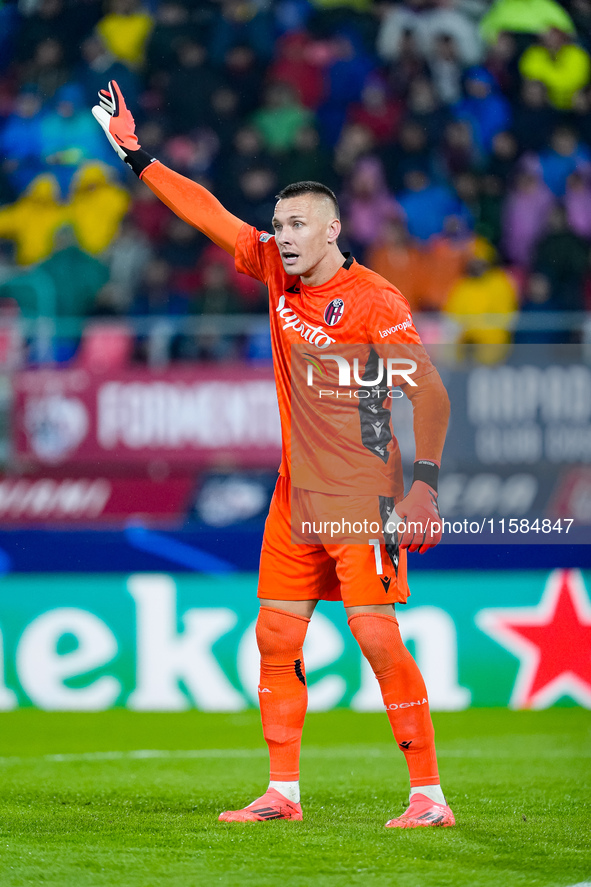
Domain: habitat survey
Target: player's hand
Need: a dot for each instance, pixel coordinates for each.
(115, 118)
(419, 511)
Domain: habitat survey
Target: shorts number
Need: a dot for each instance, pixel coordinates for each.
(377, 554)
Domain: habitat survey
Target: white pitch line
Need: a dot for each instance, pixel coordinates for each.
(343, 751)
(136, 754)
(188, 754)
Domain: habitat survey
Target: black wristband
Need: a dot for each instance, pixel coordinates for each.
(426, 471)
(139, 160)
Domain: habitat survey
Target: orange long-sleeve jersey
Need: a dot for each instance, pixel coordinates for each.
(343, 443)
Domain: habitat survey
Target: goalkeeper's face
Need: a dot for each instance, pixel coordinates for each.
(306, 233)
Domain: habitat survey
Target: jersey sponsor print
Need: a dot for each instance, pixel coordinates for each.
(347, 446)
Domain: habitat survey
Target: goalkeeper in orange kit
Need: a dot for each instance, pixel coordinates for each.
(322, 300)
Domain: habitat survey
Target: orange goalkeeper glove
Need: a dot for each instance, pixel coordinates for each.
(117, 121)
(419, 511)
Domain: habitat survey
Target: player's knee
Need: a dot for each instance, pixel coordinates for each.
(269, 641)
(279, 634)
(379, 639)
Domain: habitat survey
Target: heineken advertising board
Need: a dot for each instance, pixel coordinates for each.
(162, 642)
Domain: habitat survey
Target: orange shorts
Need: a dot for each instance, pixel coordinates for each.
(358, 573)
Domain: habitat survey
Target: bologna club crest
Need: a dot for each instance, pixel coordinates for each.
(334, 311)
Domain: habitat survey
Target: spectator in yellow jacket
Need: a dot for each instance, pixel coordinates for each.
(524, 17)
(96, 208)
(32, 221)
(484, 290)
(125, 31)
(563, 67)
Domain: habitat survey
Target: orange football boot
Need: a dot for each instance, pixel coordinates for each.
(422, 811)
(271, 805)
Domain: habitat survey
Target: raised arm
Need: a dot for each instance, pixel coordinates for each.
(194, 204)
(191, 202)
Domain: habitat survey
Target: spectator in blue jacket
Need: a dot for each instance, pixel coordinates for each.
(565, 156)
(427, 205)
(483, 107)
(21, 141)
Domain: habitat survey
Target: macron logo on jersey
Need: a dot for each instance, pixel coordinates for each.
(398, 328)
(315, 335)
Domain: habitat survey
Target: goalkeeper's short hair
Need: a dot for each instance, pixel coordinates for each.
(299, 188)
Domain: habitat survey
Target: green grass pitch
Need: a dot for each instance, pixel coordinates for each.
(73, 815)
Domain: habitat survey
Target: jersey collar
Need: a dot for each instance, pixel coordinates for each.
(325, 288)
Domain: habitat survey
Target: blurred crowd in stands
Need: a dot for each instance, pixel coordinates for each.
(456, 133)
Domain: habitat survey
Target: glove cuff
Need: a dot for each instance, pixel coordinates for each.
(138, 160)
(426, 471)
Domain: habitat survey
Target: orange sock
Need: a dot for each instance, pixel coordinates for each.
(403, 691)
(283, 693)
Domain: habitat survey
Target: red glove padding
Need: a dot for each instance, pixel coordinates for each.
(116, 119)
(418, 511)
